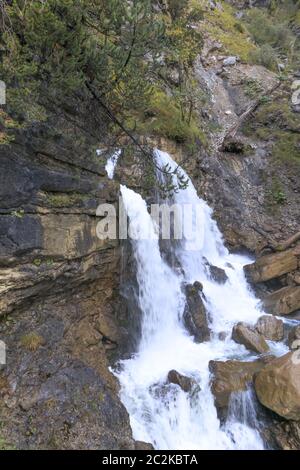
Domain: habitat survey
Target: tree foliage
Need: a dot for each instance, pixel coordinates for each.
(55, 47)
(111, 50)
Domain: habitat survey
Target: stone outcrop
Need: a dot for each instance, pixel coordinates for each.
(283, 435)
(283, 301)
(185, 383)
(59, 288)
(59, 284)
(278, 386)
(294, 337)
(231, 376)
(247, 213)
(195, 315)
(250, 338)
(270, 327)
(271, 266)
(218, 274)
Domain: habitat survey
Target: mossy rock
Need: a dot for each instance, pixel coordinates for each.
(66, 199)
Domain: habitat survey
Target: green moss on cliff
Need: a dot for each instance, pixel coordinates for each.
(32, 341)
(278, 114)
(163, 117)
(262, 36)
(286, 146)
(276, 123)
(65, 199)
(4, 445)
(222, 25)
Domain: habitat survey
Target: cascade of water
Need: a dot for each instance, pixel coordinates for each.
(242, 423)
(160, 412)
(111, 163)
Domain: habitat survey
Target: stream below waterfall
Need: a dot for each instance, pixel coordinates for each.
(160, 412)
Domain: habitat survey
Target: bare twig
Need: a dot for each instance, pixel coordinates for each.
(252, 107)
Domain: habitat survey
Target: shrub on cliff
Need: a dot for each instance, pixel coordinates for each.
(273, 32)
(110, 51)
(53, 49)
(113, 51)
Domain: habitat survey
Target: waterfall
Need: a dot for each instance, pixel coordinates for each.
(111, 163)
(242, 416)
(160, 412)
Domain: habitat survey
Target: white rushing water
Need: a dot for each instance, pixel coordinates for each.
(162, 413)
(111, 163)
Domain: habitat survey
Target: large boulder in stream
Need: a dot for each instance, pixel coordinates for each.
(195, 316)
(283, 301)
(231, 376)
(271, 266)
(270, 327)
(250, 338)
(185, 383)
(217, 274)
(277, 385)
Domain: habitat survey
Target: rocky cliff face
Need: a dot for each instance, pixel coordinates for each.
(254, 194)
(61, 314)
(59, 289)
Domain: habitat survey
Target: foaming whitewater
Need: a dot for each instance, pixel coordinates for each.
(111, 163)
(162, 413)
(242, 417)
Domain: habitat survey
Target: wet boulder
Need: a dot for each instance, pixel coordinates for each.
(277, 385)
(270, 327)
(271, 266)
(222, 335)
(294, 337)
(195, 315)
(231, 376)
(283, 301)
(185, 383)
(250, 338)
(217, 274)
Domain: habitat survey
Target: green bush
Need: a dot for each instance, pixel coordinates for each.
(163, 117)
(177, 7)
(269, 30)
(56, 49)
(273, 31)
(264, 55)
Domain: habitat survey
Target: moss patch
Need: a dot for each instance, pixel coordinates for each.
(252, 87)
(5, 138)
(32, 341)
(275, 122)
(4, 445)
(65, 199)
(223, 26)
(278, 114)
(287, 147)
(163, 117)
